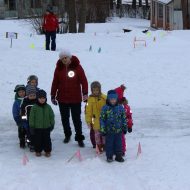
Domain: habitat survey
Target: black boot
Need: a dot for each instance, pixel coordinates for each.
(80, 139)
(66, 140)
(81, 144)
(109, 159)
(119, 158)
(22, 143)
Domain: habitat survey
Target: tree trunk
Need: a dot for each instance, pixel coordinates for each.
(82, 16)
(146, 2)
(20, 9)
(111, 4)
(134, 4)
(72, 16)
(140, 3)
(118, 4)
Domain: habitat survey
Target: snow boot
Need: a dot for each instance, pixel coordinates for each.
(47, 154)
(66, 140)
(119, 158)
(38, 154)
(109, 159)
(81, 144)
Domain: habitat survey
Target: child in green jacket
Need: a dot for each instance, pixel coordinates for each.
(41, 123)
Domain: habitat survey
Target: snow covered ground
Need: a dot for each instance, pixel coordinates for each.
(157, 79)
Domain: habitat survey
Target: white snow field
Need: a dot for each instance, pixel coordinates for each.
(157, 79)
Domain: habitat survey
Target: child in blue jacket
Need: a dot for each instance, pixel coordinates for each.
(20, 92)
(112, 124)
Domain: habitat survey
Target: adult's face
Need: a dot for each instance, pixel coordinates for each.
(66, 60)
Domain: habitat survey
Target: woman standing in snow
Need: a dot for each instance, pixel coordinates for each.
(69, 88)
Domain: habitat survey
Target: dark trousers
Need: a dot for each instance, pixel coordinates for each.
(113, 144)
(92, 137)
(75, 110)
(42, 140)
(21, 134)
(50, 36)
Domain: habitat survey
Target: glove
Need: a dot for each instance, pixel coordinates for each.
(58, 30)
(32, 131)
(54, 101)
(85, 97)
(89, 126)
(125, 132)
(129, 130)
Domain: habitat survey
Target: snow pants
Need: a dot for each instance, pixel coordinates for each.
(42, 140)
(51, 37)
(113, 144)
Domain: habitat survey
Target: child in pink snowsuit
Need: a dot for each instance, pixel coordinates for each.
(122, 100)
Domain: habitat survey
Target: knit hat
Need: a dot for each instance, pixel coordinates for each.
(32, 77)
(112, 95)
(30, 90)
(95, 84)
(49, 9)
(19, 87)
(42, 94)
(65, 53)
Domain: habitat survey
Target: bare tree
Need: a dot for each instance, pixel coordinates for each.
(72, 16)
(20, 5)
(82, 16)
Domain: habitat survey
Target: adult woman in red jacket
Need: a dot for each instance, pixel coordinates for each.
(69, 88)
(50, 27)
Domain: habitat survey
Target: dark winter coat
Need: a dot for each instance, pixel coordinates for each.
(113, 119)
(25, 110)
(50, 23)
(41, 117)
(67, 82)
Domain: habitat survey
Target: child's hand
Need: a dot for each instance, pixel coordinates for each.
(89, 126)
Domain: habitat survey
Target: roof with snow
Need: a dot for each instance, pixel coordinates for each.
(164, 1)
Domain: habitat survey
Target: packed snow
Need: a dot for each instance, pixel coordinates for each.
(157, 79)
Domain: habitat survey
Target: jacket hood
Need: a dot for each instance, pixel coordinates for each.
(74, 63)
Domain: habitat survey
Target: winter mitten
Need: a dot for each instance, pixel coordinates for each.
(129, 130)
(54, 101)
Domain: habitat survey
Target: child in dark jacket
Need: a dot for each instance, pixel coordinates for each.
(19, 96)
(42, 121)
(113, 123)
(26, 106)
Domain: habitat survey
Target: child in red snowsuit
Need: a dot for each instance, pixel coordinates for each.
(122, 100)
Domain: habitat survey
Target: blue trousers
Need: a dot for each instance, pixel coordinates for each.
(50, 36)
(113, 144)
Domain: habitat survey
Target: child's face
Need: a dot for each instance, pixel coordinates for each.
(95, 91)
(33, 83)
(42, 100)
(21, 93)
(32, 96)
(113, 101)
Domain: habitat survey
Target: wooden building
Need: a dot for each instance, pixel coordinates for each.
(170, 14)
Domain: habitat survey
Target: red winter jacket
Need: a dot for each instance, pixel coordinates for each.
(128, 116)
(50, 22)
(67, 82)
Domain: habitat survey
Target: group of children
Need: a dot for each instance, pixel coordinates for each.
(108, 117)
(33, 116)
